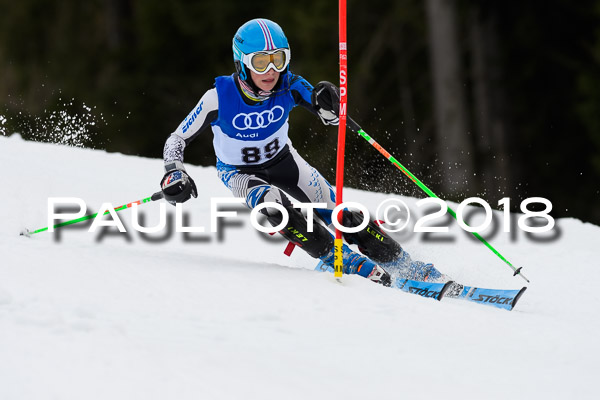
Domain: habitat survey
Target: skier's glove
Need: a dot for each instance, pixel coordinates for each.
(326, 100)
(176, 185)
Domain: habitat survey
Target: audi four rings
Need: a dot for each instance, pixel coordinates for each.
(256, 120)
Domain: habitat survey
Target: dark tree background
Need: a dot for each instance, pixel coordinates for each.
(477, 98)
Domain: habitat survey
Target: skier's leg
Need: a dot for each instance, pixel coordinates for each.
(318, 243)
(255, 189)
(381, 248)
(371, 241)
(304, 183)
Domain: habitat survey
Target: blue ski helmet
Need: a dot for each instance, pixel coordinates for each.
(257, 35)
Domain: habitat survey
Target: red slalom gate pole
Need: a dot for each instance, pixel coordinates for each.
(339, 179)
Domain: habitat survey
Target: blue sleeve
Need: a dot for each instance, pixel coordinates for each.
(301, 91)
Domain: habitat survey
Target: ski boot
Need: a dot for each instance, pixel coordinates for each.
(404, 267)
(355, 263)
(385, 251)
(319, 244)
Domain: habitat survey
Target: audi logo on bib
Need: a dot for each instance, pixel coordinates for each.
(255, 120)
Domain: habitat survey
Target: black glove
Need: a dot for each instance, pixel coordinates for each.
(177, 186)
(326, 100)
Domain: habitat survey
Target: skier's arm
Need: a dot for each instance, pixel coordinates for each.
(301, 91)
(196, 122)
(322, 100)
(177, 186)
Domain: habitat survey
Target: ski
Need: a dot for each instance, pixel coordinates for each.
(500, 298)
(432, 290)
(424, 289)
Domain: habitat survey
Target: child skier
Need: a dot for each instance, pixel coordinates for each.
(248, 112)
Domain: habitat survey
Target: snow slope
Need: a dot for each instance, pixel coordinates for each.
(115, 316)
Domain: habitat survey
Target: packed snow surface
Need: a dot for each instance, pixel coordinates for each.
(227, 315)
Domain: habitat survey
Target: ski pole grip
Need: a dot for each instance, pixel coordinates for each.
(157, 196)
(352, 125)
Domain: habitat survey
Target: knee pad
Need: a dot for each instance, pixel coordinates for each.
(372, 241)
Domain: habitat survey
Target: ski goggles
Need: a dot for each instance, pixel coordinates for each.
(262, 61)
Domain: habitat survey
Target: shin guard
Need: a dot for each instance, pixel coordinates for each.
(372, 241)
(316, 243)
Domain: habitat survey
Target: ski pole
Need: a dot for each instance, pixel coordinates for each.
(154, 197)
(356, 128)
